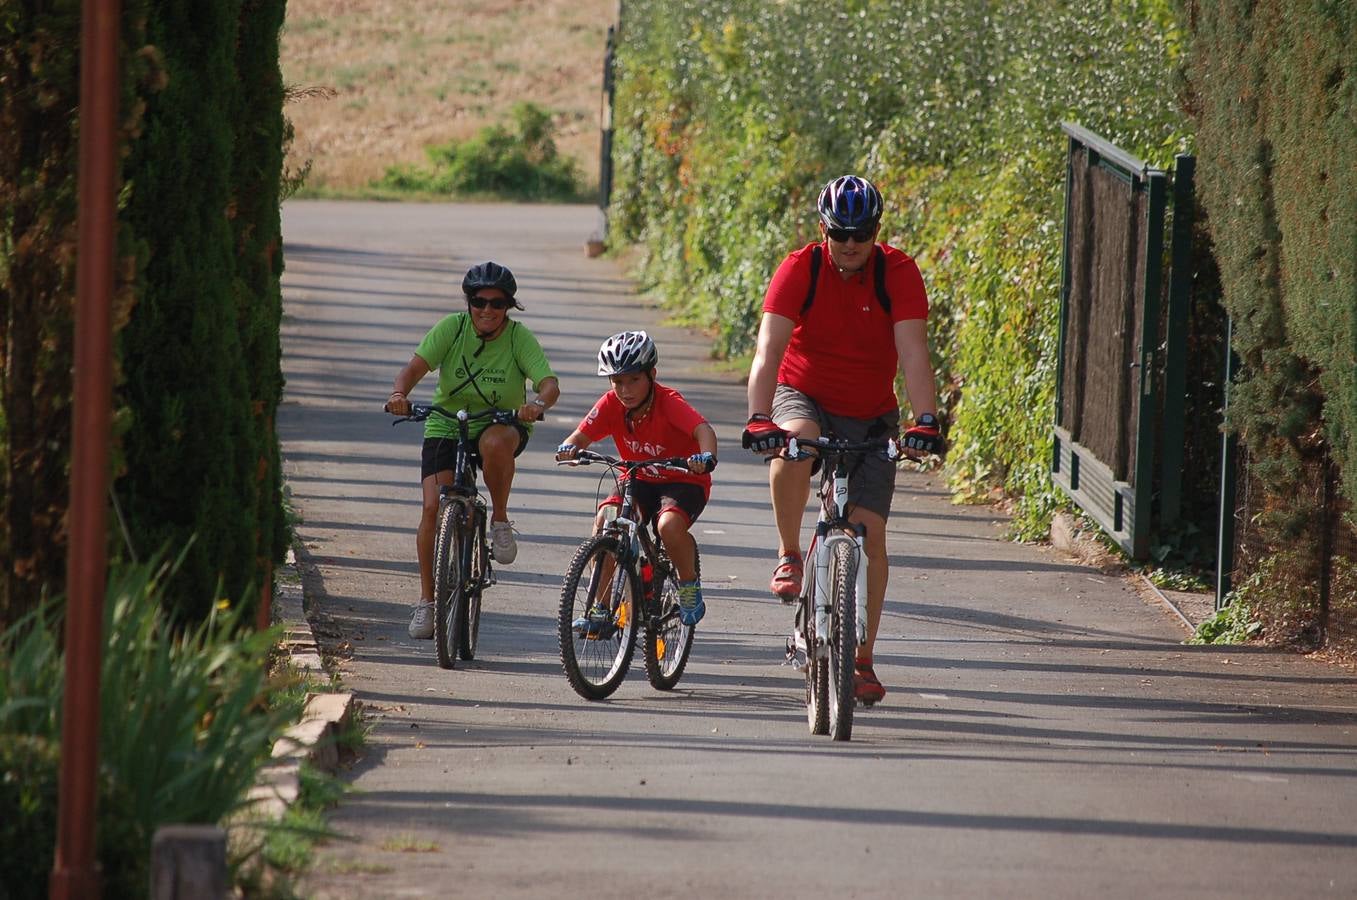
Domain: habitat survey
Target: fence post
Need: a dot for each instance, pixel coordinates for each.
(1175, 342)
(1229, 448)
(188, 861)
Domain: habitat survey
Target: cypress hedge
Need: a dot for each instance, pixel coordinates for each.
(197, 307)
(1274, 100)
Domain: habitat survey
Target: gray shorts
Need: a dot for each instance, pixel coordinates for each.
(871, 479)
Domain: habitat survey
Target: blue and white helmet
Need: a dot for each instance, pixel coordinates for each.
(627, 352)
(849, 202)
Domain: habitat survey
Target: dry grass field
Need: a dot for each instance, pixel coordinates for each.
(379, 80)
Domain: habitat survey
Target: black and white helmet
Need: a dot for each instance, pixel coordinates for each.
(627, 352)
(849, 202)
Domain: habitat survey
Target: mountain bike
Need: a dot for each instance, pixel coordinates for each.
(618, 577)
(831, 615)
(461, 558)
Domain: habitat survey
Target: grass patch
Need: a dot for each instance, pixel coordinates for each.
(408, 843)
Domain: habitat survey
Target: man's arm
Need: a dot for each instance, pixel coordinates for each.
(775, 332)
(911, 345)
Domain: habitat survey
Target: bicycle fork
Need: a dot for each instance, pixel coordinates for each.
(825, 544)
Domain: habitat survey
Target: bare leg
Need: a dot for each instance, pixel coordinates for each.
(497, 445)
(428, 527)
(789, 484)
(679, 544)
(878, 573)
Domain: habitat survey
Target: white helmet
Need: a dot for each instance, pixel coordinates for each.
(629, 351)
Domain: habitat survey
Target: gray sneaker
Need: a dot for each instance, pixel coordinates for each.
(421, 623)
(503, 547)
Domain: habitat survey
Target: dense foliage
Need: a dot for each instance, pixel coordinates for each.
(1274, 100)
(730, 114)
(186, 724)
(197, 306)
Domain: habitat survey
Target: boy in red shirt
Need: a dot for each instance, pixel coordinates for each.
(646, 420)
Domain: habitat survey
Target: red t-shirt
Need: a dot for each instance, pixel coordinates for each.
(667, 430)
(842, 355)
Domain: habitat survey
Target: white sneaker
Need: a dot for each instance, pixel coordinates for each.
(421, 623)
(503, 547)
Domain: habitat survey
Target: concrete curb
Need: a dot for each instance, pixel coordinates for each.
(313, 739)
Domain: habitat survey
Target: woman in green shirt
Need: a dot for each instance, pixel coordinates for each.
(484, 359)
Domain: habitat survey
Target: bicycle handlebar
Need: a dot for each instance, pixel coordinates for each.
(584, 457)
(421, 411)
(891, 448)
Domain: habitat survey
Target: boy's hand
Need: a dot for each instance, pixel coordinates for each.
(566, 452)
(397, 405)
(701, 463)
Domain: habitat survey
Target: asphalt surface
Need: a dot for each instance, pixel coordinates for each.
(1046, 733)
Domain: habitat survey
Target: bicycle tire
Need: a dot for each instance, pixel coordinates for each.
(475, 581)
(596, 660)
(817, 673)
(449, 610)
(843, 639)
(668, 642)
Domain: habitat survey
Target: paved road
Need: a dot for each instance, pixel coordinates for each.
(1046, 734)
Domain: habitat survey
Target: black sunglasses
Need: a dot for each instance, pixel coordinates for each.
(861, 235)
(496, 303)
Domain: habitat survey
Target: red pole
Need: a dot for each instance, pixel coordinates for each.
(75, 872)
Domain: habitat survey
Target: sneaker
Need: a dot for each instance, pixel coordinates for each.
(691, 607)
(786, 583)
(421, 623)
(503, 547)
(866, 688)
(594, 625)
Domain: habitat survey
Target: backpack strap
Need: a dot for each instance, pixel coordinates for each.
(816, 260)
(878, 278)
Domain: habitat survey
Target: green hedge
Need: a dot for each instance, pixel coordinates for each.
(730, 115)
(197, 307)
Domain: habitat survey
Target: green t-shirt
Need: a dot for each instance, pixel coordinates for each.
(475, 376)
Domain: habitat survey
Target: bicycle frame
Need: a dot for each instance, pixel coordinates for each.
(832, 528)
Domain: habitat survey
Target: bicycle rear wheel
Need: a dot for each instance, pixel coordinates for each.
(843, 638)
(448, 581)
(475, 587)
(596, 621)
(668, 642)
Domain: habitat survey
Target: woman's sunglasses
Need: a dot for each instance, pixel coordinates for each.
(861, 235)
(496, 303)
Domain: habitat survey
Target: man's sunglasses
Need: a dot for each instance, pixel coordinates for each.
(861, 235)
(496, 303)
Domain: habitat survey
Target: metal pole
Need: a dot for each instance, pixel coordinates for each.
(75, 872)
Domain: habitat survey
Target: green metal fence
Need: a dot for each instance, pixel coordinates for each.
(1120, 371)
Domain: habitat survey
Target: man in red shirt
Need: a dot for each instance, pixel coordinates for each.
(839, 316)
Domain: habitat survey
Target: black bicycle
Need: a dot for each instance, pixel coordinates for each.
(831, 615)
(616, 573)
(461, 558)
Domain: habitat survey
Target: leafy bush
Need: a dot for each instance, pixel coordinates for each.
(731, 114)
(186, 723)
(518, 162)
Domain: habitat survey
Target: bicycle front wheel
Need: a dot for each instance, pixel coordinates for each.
(843, 638)
(448, 581)
(668, 642)
(596, 622)
(475, 587)
(817, 672)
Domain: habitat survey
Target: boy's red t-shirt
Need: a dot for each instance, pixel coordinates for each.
(667, 430)
(842, 352)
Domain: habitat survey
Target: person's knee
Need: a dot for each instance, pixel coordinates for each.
(673, 526)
